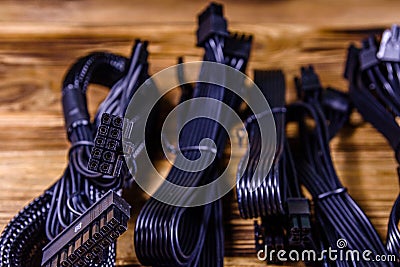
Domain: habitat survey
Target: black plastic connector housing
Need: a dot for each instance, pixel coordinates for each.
(85, 240)
(368, 54)
(299, 222)
(351, 62)
(211, 22)
(335, 100)
(309, 84)
(274, 237)
(105, 155)
(238, 45)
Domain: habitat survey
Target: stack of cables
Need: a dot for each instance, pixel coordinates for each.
(374, 85)
(168, 235)
(280, 188)
(78, 188)
(269, 197)
(336, 212)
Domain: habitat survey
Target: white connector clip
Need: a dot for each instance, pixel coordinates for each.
(389, 49)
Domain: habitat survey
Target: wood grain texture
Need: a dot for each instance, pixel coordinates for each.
(40, 39)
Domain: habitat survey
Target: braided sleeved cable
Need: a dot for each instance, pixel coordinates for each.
(45, 217)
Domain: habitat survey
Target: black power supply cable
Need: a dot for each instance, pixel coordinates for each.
(337, 213)
(17, 244)
(269, 198)
(85, 240)
(44, 219)
(374, 86)
(167, 235)
(285, 214)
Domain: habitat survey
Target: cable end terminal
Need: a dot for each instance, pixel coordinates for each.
(300, 226)
(309, 82)
(238, 45)
(105, 155)
(351, 62)
(85, 241)
(211, 22)
(368, 53)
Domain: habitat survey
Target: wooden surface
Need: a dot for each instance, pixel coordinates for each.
(40, 39)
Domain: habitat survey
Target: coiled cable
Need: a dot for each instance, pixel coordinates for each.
(167, 235)
(78, 188)
(374, 86)
(270, 196)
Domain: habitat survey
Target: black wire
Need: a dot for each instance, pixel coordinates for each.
(335, 209)
(78, 184)
(374, 88)
(282, 226)
(168, 235)
(44, 218)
